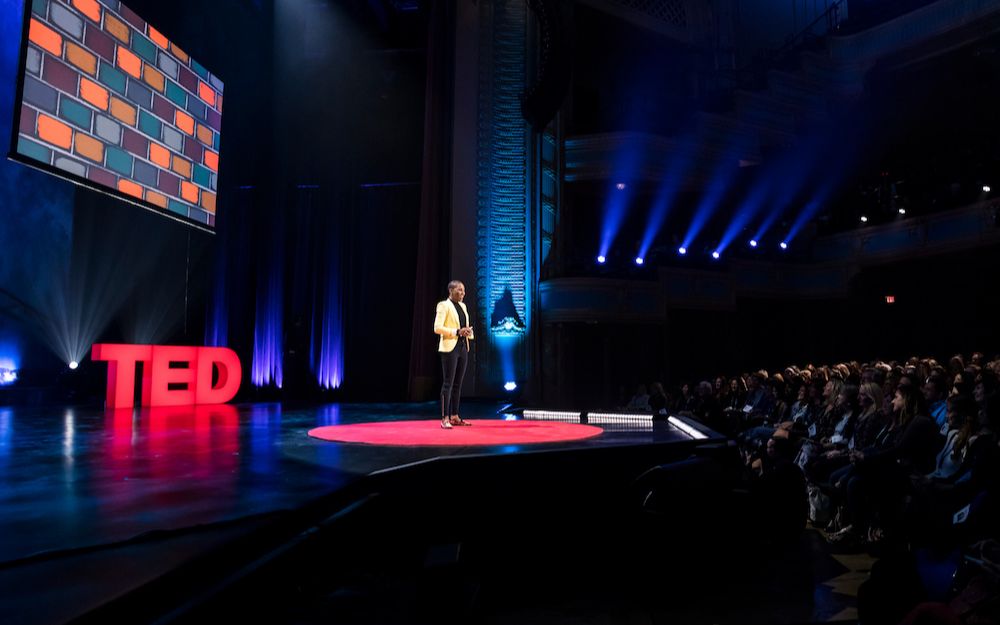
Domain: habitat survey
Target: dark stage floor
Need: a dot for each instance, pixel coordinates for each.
(110, 504)
(74, 477)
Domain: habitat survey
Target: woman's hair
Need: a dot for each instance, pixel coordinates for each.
(453, 285)
(850, 394)
(965, 410)
(913, 403)
(875, 392)
(838, 385)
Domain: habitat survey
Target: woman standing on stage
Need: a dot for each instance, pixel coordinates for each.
(452, 324)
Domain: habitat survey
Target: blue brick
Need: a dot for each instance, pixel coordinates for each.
(118, 160)
(176, 94)
(144, 48)
(149, 125)
(33, 150)
(112, 78)
(75, 113)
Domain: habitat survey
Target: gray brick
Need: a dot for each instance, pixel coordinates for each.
(216, 82)
(197, 108)
(213, 182)
(173, 138)
(111, 4)
(70, 165)
(41, 95)
(108, 129)
(66, 20)
(139, 94)
(168, 65)
(34, 62)
(145, 173)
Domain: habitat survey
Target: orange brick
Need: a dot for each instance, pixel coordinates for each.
(55, 132)
(123, 111)
(182, 167)
(118, 29)
(81, 58)
(153, 78)
(155, 198)
(208, 201)
(43, 36)
(90, 8)
(94, 94)
(181, 54)
(158, 38)
(185, 122)
(189, 192)
(159, 155)
(89, 147)
(205, 134)
(218, 105)
(130, 188)
(129, 62)
(212, 160)
(206, 93)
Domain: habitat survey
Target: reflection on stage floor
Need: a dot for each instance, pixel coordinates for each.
(77, 477)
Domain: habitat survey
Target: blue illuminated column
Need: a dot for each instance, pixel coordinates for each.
(504, 229)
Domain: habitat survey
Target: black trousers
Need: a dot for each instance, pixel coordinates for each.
(453, 365)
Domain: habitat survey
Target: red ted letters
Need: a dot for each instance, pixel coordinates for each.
(191, 384)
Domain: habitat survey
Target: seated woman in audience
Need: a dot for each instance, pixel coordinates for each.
(874, 489)
(836, 446)
(962, 422)
(657, 399)
(736, 396)
(968, 468)
(639, 401)
(685, 399)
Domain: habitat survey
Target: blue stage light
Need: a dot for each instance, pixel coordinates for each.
(621, 186)
(715, 255)
(682, 251)
(753, 242)
(510, 386)
(639, 260)
(783, 245)
(601, 259)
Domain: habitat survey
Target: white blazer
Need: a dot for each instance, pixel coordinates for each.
(446, 325)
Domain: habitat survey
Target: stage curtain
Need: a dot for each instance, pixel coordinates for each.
(433, 251)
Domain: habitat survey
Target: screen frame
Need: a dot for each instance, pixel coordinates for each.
(17, 157)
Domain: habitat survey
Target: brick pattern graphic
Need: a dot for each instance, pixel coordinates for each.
(110, 99)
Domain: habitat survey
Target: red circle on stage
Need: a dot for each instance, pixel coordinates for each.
(430, 433)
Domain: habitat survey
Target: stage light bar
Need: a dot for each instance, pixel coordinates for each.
(602, 259)
(618, 417)
(551, 415)
(687, 429)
